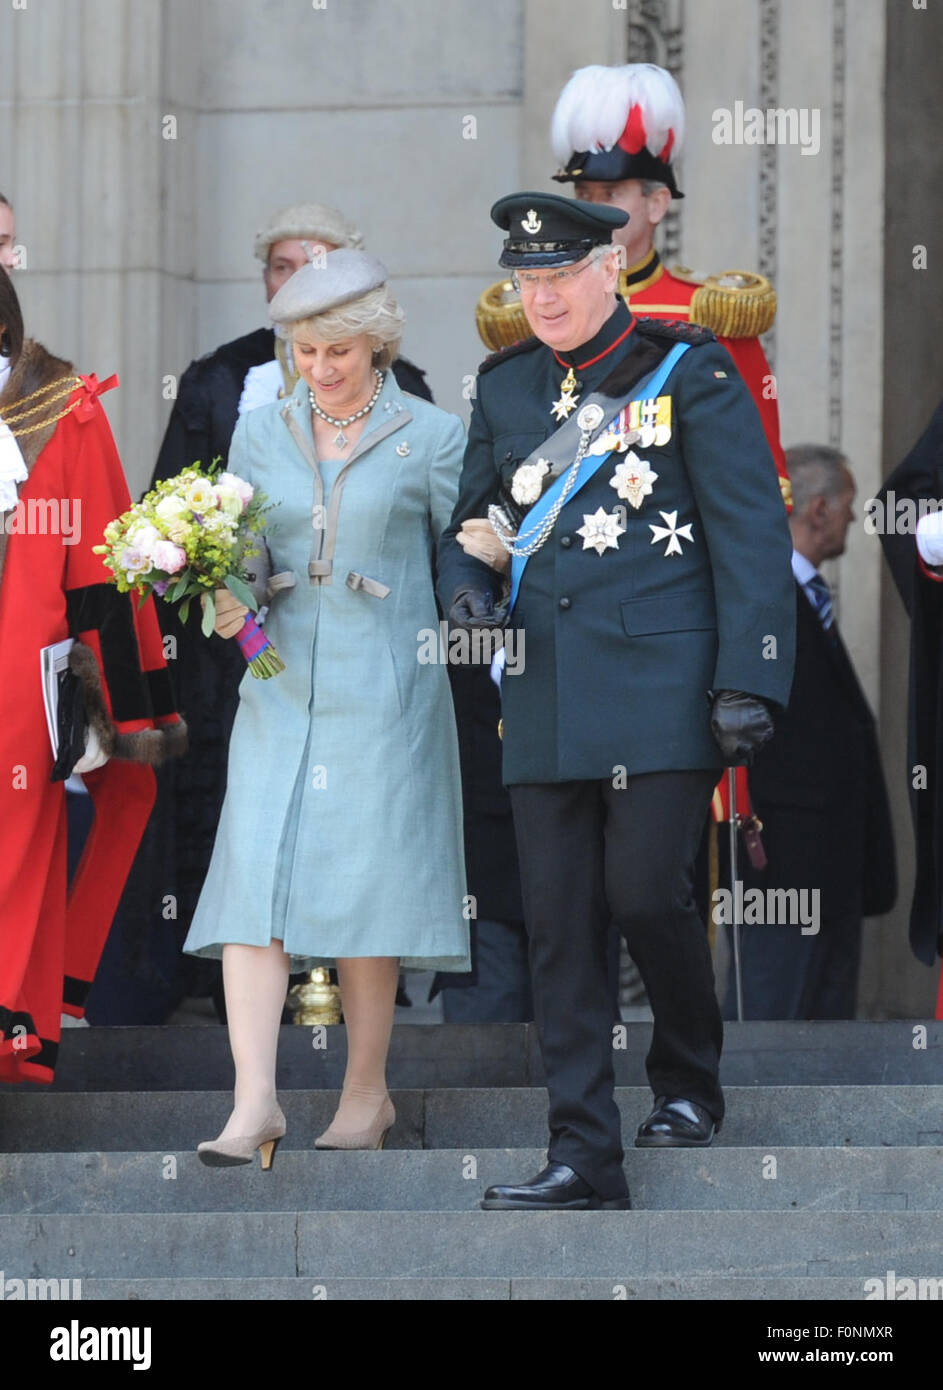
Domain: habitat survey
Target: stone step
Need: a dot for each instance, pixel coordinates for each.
(620, 1247)
(455, 1055)
(760, 1179)
(169, 1121)
(471, 1289)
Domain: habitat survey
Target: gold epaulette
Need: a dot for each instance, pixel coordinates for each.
(785, 487)
(501, 320)
(734, 304)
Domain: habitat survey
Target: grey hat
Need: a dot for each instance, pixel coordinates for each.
(314, 289)
(306, 221)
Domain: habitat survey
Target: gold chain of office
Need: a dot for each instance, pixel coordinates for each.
(29, 406)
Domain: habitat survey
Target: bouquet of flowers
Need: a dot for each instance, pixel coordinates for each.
(188, 537)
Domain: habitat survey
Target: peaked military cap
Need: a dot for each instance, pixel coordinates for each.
(336, 279)
(546, 230)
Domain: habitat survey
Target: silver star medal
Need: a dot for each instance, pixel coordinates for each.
(601, 531)
(671, 532)
(633, 480)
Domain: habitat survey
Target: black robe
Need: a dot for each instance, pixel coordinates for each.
(921, 476)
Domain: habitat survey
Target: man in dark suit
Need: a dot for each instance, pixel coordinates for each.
(818, 785)
(650, 580)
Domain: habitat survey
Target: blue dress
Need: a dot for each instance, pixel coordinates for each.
(341, 829)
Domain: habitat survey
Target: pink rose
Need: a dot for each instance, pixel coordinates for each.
(168, 557)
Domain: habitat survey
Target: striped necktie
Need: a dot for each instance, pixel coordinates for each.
(821, 596)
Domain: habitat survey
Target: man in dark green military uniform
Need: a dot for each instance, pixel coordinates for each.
(616, 458)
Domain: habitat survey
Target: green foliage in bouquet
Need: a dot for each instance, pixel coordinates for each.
(186, 538)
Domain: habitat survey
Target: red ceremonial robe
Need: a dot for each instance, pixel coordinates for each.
(52, 586)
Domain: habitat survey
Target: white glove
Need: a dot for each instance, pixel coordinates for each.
(94, 756)
(477, 538)
(930, 538)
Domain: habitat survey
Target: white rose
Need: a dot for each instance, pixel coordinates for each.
(171, 507)
(201, 496)
(230, 503)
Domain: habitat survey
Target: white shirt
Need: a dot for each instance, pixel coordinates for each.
(804, 570)
(261, 386)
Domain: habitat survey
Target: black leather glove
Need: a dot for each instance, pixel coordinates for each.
(741, 724)
(473, 608)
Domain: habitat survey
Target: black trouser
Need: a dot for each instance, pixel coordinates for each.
(588, 852)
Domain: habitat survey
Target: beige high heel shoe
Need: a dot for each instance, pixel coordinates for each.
(370, 1138)
(227, 1153)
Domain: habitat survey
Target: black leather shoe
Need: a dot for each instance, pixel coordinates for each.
(557, 1188)
(677, 1124)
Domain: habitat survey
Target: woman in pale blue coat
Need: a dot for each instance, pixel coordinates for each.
(340, 838)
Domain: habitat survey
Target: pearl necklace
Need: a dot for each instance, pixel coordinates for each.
(340, 439)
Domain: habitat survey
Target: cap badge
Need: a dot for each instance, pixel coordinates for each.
(531, 223)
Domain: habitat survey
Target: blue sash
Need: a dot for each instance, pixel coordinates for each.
(649, 387)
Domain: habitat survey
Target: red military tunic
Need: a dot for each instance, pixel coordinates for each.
(649, 288)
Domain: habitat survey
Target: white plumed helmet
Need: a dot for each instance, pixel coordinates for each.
(619, 123)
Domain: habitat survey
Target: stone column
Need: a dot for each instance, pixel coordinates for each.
(82, 169)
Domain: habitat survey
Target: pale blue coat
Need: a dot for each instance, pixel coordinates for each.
(341, 831)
